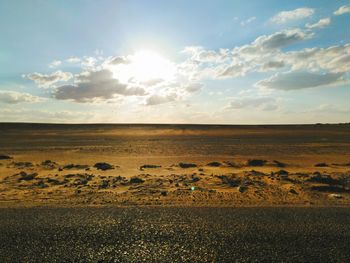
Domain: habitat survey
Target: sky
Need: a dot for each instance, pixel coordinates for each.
(200, 62)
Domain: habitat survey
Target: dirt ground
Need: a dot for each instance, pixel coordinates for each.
(174, 165)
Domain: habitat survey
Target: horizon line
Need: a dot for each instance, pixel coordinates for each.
(184, 124)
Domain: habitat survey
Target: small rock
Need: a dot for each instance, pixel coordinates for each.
(242, 188)
(195, 179)
(292, 191)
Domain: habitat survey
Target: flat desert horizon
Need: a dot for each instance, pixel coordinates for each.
(174, 193)
(174, 131)
(174, 165)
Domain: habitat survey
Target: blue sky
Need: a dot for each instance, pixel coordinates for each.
(227, 62)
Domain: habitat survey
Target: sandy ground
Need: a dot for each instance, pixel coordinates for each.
(174, 165)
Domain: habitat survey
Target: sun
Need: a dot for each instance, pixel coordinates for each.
(147, 65)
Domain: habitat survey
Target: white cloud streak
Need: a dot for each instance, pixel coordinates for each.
(320, 24)
(14, 97)
(342, 10)
(45, 80)
(292, 15)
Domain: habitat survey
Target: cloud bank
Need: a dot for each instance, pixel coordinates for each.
(14, 97)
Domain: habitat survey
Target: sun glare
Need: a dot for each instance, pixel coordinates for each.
(147, 65)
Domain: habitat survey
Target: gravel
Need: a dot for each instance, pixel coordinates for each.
(175, 234)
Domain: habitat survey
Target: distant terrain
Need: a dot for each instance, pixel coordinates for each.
(174, 165)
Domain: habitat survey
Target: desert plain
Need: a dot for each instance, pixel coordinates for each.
(73, 165)
(174, 193)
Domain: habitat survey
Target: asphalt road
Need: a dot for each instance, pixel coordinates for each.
(175, 235)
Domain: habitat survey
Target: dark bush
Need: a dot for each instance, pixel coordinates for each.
(256, 162)
(5, 157)
(321, 165)
(282, 172)
(103, 166)
(214, 164)
(324, 179)
(136, 180)
(104, 184)
(22, 164)
(187, 165)
(233, 182)
(75, 166)
(26, 177)
(279, 164)
(151, 166)
(48, 164)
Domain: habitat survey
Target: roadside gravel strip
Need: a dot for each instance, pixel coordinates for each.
(175, 235)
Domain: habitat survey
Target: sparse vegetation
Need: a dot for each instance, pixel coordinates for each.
(22, 165)
(25, 176)
(149, 166)
(279, 164)
(136, 180)
(48, 164)
(5, 157)
(321, 165)
(214, 164)
(103, 166)
(256, 162)
(75, 166)
(229, 180)
(187, 165)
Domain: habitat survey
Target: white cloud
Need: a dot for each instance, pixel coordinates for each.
(333, 59)
(88, 62)
(55, 63)
(45, 80)
(25, 115)
(320, 24)
(295, 80)
(73, 60)
(200, 54)
(292, 15)
(14, 97)
(94, 85)
(281, 39)
(270, 65)
(342, 10)
(266, 54)
(156, 99)
(253, 57)
(193, 87)
(234, 70)
(116, 60)
(248, 21)
(262, 103)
